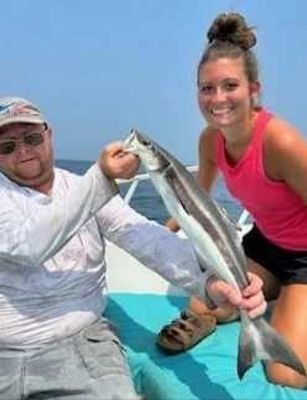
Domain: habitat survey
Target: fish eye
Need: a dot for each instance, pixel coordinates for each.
(145, 141)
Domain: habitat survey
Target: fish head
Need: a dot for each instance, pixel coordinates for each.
(139, 144)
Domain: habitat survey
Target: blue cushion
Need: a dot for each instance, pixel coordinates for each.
(208, 371)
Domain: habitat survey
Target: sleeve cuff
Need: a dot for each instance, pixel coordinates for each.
(108, 187)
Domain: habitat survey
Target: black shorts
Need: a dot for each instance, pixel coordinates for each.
(288, 266)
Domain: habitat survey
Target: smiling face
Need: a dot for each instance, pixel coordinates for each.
(28, 165)
(224, 93)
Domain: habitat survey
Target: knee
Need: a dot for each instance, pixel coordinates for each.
(285, 376)
(225, 314)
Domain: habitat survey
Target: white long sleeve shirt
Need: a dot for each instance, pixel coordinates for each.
(52, 264)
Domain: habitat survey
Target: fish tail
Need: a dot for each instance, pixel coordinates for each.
(259, 341)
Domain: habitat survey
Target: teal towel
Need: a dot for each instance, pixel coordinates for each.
(206, 372)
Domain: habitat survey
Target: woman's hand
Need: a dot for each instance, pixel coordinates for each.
(115, 162)
(250, 299)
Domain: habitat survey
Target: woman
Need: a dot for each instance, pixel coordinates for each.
(263, 160)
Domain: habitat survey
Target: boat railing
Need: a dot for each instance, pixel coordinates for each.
(243, 220)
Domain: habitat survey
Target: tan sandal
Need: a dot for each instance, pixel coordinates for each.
(224, 314)
(186, 331)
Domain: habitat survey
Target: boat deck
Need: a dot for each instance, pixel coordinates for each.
(140, 303)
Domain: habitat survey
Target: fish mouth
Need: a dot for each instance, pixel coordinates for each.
(128, 141)
(137, 141)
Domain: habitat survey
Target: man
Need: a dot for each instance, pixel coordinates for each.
(54, 343)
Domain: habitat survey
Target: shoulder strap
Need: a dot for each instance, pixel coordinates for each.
(260, 125)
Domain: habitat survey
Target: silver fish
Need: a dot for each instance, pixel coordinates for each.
(216, 243)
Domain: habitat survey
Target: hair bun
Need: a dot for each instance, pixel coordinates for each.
(232, 28)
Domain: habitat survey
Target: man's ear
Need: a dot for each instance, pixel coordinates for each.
(49, 132)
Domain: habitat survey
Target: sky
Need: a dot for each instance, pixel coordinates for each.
(98, 68)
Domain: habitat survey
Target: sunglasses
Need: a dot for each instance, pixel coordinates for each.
(32, 139)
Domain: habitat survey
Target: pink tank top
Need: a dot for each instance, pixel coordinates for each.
(277, 210)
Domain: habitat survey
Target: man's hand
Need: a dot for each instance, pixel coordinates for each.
(250, 299)
(115, 162)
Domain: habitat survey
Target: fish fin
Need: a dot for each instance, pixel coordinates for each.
(231, 221)
(259, 341)
(234, 227)
(204, 265)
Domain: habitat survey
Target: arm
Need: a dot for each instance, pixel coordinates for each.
(153, 245)
(221, 294)
(173, 258)
(207, 170)
(33, 228)
(285, 156)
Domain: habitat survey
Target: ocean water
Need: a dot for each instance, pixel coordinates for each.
(148, 202)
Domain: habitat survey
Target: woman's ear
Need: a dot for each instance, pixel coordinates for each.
(255, 89)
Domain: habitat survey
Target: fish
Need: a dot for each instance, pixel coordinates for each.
(217, 244)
